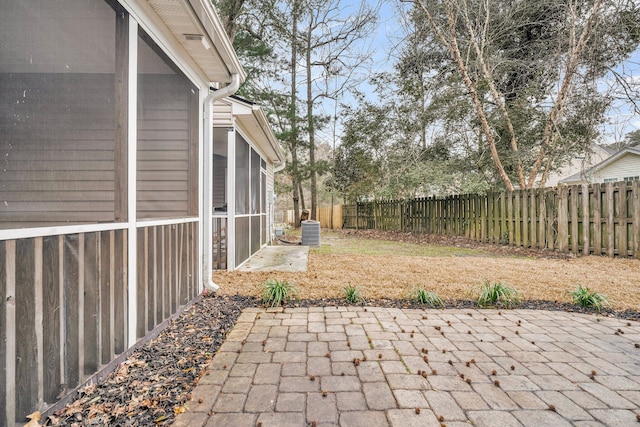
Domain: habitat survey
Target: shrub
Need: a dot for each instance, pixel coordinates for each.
(497, 294)
(275, 292)
(583, 297)
(423, 296)
(352, 294)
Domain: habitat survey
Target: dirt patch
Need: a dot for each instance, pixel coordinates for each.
(538, 275)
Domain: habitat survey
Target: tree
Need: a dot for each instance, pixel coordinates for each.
(632, 139)
(529, 70)
(329, 42)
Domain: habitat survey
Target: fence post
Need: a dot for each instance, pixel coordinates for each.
(622, 220)
(608, 187)
(563, 226)
(586, 221)
(542, 219)
(597, 219)
(636, 218)
(533, 219)
(518, 224)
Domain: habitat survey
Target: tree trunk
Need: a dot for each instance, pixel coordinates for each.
(301, 192)
(451, 44)
(293, 138)
(310, 126)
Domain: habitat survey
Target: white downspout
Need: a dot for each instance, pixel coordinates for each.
(213, 96)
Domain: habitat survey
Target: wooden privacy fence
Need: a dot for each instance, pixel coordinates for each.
(328, 217)
(599, 219)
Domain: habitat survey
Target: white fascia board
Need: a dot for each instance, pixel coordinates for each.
(213, 25)
(240, 108)
(261, 118)
(254, 123)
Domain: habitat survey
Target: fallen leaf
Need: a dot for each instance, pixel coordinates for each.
(34, 417)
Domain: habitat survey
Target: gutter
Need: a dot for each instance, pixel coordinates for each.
(213, 96)
(280, 167)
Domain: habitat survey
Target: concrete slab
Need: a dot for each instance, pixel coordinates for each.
(278, 258)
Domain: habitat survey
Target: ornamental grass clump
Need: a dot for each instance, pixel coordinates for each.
(497, 294)
(275, 292)
(425, 297)
(583, 297)
(352, 294)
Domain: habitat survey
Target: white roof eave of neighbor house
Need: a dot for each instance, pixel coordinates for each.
(579, 177)
(198, 29)
(253, 121)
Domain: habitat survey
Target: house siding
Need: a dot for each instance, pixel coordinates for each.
(580, 163)
(625, 166)
(222, 115)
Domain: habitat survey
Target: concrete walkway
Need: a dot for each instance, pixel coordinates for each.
(278, 258)
(369, 367)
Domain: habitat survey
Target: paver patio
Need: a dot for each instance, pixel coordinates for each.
(355, 366)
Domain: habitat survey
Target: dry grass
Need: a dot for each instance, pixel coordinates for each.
(456, 275)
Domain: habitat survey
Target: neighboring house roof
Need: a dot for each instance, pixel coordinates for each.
(197, 27)
(578, 163)
(580, 176)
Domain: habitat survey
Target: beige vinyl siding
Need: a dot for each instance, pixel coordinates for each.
(57, 163)
(222, 115)
(167, 137)
(627, 165)
(220, 160)
(163, 147)
(270, 182)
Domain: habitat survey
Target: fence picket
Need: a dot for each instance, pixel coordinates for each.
(542, 219)
(635, 218)
(586, 220)
(608, 188)
(622, 220)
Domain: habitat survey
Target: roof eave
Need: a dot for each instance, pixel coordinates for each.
(198, 29)
(213, 25)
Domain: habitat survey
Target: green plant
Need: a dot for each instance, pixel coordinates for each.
(583, 297)
(423, 296)
(497, 294)
(275, 292)
(352, 294)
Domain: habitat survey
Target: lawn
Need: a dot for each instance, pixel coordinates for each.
(389, 265)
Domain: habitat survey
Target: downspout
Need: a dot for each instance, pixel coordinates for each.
(228, 90)
(213, 96)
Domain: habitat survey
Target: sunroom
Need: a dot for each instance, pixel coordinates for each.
(246, 155)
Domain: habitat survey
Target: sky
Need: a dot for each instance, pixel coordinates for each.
(622, 119)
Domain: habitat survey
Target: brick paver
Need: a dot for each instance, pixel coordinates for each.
(355, 366)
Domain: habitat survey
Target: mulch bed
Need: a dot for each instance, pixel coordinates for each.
(155, 383)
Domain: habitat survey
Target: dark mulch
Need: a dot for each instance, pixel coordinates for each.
(152, 386)
(155, 383)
